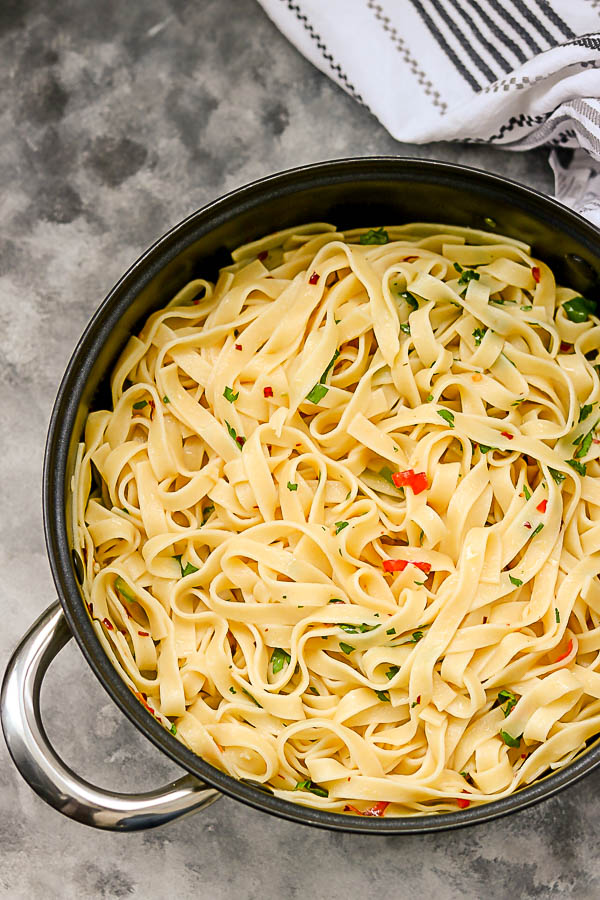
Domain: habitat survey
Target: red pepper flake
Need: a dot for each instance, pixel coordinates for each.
(409, 478)
(268, 391)
(462, 802)
(90, 607)
(419, 699)
(108, 624)
(567, 651)
(313, 278)
(484, 619)
(263, 255)
(565, 348)
(238, 346)
(152, 408)
(144, 633)
(596, 441)
(423, 566)
(240, 440)
(394, 565)
(541, 507)
(524, 755)
(527, 524)
(536, 274)
(377, 809)
(507, 435)
(142, 698)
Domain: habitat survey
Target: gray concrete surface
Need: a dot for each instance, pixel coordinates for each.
(117, 120)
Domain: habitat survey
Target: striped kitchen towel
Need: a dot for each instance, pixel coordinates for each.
(517, 73)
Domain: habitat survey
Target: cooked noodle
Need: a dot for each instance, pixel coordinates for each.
(344, 535)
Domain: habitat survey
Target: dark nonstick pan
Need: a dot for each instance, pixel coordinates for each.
(348, 193)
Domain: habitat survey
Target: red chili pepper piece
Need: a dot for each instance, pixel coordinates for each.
(419, 699)
(313, 278)
(377, 809)
(527, 524)
(462, 802)
(565, 347)
(567, 651)
(108, 624)
(144, 633)
(238, 346)
(394, 565)
(536, 274)
(507, 435)
(409, 478)
(423, 566)
(240, 440)
(268, 391)
(142, 700)
(541, 507)
(263, 255)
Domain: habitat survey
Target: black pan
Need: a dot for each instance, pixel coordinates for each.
(348, 193)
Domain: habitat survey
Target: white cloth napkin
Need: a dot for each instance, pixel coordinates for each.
(518, 73)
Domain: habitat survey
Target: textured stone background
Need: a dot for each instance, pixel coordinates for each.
(117, 120)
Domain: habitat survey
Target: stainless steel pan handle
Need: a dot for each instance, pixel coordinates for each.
(48, 775)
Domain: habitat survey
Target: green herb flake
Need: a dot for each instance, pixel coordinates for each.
(509, 698)
(346, 648)
(173, 729)
(238, 441)
(417, 635)
(447, 416)
(585, 443)
(313, 690)
(254, 700)
(410, 299)
(375, 236)
(140, 404)
(558, 476)
(229, 395)
(537, 530)
(581, 468)
(292, 486)
(585, 411)
(391, 631)
(317, 393)
(124, 589)
(557, 615)
(166, 399)
(429, 398)
(516, 581)
(207, 513)
(468, 275)
(527, 492)
(405, 327)
(336, 600)
(509, 740)
(527, 307)
(579, 309)
(312, 787)
(479, 335)
(413, 704)
(339, 526)
(189, 569)
(279, 659)
(384, 696)
(393, 670)
(458, 267)
(485, 449)
(233, 690)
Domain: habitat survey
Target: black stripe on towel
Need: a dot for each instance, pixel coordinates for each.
(497, 32)
(437, 34)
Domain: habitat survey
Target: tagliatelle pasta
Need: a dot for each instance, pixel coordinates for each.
(341, 528)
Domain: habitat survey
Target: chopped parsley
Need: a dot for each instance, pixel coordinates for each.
(509, 698)
(479, 335)
(417, 635)
(309, 785)
(188, 569)
(468, 275)
(229, 395)
(410, 299)
(358, 629)
(279, 659)
(558, 476)
(207, 513)
(527, 492)
(557, 615)
(527, 307)
(254, 700)
(485, 449)
(336, 600)
(292, 486)
(237, 439)
(173, 729)
(581, 468)
(579, 309)
(537, 530)
(391, 631)
(393, 670)
(124, 589)
(384, 696)
(233, 690)
(140, 404)
(429, 398)
(447, 416)
(585, 411)
(320, 389)
(313, 690)
(405, 327)
(166, 399)
(509, 740)
(516, 581)
(346, 648)
(339, 526)
(375, 236)
(585, 443)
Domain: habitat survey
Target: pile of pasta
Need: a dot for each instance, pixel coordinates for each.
(341, 528)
